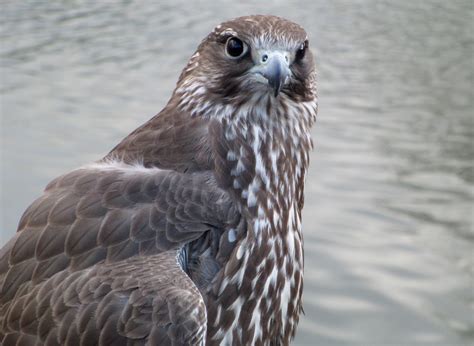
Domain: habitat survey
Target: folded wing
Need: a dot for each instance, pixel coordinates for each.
(115, 230)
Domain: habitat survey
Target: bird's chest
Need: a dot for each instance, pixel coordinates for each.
(256, 299)
(278, 286)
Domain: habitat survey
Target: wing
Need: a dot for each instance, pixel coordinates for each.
(138, 301)
(100, 216)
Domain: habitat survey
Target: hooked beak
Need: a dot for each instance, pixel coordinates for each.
(274, 67)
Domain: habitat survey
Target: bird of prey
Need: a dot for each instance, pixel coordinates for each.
(189, 231)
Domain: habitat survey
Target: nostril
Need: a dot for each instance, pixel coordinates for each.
(286, 58)
(264, 57)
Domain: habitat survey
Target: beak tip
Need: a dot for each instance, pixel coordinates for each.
(276, 92)
(276, 86)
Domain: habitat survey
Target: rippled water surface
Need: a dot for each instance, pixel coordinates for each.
(388, 220)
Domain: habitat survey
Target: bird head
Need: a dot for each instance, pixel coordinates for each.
(253, 55)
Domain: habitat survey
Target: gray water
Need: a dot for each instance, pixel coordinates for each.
(388, 220)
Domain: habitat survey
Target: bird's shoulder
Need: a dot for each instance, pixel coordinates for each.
(170, 140)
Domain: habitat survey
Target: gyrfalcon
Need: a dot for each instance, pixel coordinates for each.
(189, 231)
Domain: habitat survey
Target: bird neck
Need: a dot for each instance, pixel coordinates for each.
(262, 153)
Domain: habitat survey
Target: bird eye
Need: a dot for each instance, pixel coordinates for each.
(300, 53)
(235, 48)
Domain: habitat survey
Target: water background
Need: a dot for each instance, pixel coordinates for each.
(388, 220)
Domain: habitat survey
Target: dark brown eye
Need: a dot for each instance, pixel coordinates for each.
(301, 52)
(235, 48)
